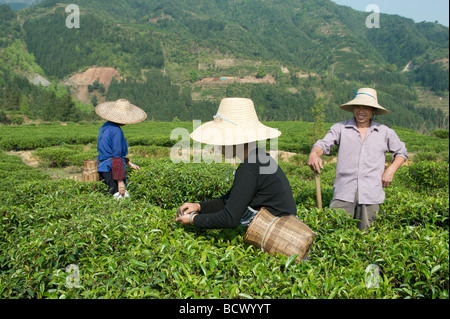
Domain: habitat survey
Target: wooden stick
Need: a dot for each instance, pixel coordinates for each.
(318, 192)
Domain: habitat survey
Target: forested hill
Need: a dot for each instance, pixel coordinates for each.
(283, 54)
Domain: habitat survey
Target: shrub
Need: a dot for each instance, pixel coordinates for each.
(134, 249)
(66, 155)
(425, 156)
(169, 185)
(441, 133)
(426, 175)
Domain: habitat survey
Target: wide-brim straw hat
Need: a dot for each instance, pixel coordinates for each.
(121, 112)
(367, 97)
(235, 122)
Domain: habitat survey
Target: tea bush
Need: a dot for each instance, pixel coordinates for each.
(168, 185)
(427, 175)
(14, 171)
(134, 249)
(441, 133)
(296, 136)
(66, 155)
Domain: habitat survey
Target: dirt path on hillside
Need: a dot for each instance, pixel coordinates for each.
(230, 79)
(69, 172)
(27, 157)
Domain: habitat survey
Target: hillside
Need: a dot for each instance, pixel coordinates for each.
(180, 57)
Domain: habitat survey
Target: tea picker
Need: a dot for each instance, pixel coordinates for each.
(360, 169)
(112, 146)
(261, 197)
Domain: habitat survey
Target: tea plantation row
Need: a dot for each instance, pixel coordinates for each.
(67, 239)
(296, 136)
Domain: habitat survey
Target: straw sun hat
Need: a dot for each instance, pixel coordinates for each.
(235, 123)
(121, 112)
(367, 97)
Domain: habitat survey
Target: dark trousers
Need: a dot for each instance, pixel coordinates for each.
(107, 178)
(365, 214)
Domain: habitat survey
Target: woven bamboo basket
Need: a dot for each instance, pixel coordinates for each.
(90, 173)
(286, 235)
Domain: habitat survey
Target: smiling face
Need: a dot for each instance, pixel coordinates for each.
(363, 114)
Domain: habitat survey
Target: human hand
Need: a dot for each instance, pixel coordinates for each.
(387, 177)
(121, 186)
(186, 219)
(134, 166)
(184, 211)
(315, 162)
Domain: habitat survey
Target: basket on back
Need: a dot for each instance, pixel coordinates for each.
(90, 173)
(286, 235)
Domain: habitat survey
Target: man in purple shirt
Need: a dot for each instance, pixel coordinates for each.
(360, 169)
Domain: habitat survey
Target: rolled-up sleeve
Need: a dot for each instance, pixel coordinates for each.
(331, 139)
(239, 197)
(395, 145)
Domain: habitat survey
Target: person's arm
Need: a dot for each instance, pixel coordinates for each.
(214, 205)
(388, 174)
(184, 211)
(118, 173)
(121, 186)
(204, 207)
(117, 162)
(399, 156)
(240, 196)
(131, 165)
(324, 146)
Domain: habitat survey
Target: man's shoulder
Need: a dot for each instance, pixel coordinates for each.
(112, 127)
(350, 122)
(381, 127)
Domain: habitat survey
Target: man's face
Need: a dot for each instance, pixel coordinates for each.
(363, 114)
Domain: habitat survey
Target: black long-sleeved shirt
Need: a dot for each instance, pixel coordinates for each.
(259, 182)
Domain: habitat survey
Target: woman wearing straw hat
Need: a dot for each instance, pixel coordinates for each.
(112, 146)
(259, 181)
(360, 174)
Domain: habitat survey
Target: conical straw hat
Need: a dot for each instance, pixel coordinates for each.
(367, 97)
(235, 123)
(121, 112)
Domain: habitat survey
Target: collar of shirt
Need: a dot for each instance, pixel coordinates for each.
(352, 124)
(109, 123)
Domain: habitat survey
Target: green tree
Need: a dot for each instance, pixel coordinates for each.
(194, 77)
(94, 100)
(261, 72)
(318, 113)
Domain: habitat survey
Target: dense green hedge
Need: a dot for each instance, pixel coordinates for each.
(134, 249)
(296, 137)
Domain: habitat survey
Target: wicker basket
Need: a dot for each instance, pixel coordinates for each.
(286, 235)
(90, 172)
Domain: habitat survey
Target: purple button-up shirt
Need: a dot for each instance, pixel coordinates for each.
(360, 164)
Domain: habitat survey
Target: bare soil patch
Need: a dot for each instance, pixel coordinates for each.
(79, 82)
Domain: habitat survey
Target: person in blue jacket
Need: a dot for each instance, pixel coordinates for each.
(112, 146)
